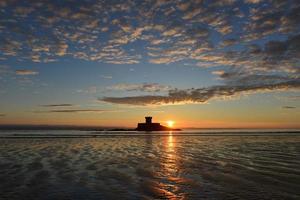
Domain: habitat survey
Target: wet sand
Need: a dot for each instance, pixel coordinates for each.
(151, 167)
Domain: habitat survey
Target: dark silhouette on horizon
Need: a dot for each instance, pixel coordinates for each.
(149, 126)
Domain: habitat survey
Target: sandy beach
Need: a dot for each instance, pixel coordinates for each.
(151, 167)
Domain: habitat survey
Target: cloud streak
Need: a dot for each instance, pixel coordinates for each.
(73, 111)
(26, 72)
(289, 107)
(58, 105)
(201, 95)
(145, 87)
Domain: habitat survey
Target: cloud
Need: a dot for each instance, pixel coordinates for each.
(145, 87)
(289, 107)
(229, 42)
(26, 72)
(61, 49)
(184, 6)
(219, 72)
(109, 31)
(2, 115)
(272, 65)
(162, 60)
(202, 95)
(257, 47)
(253, 1)
(57, 105)
(172, 31)
(73, 111)
(106, 77)
(89, 90)
(192, 13)
(223, 3)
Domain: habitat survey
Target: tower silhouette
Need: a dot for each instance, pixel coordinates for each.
(148, 120)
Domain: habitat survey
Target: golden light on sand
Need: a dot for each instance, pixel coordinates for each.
(170, 123)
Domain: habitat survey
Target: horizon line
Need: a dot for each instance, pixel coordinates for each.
(123, 127)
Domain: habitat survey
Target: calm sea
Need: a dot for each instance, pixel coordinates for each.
(223, 164)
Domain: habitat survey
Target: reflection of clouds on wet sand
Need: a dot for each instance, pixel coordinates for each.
(150, 167)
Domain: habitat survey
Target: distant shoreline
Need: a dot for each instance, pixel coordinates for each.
(62, 127)
(99, 128)
(44, 128)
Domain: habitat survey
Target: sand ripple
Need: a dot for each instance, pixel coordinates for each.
(151, 167)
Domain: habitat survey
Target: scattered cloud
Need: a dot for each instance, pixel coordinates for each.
(73, 111)
(258, 46)
(202, 95)
(89, 90)
(58, 105)
(106, 77)
(289, 107)
(271, 67)
(26, 72)
(61, 49)
(145, 87)
(86, 29)
(253, 1)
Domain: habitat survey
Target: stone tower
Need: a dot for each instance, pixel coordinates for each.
(148, 120)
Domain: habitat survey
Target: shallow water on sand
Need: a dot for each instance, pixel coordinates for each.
(151, 167)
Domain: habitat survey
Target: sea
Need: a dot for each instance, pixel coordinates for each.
(191, 164)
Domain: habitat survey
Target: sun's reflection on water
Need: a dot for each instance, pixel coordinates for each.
(170, 157)
(170, 141)
(170, 169)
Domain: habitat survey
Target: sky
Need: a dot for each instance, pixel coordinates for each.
(200, 63)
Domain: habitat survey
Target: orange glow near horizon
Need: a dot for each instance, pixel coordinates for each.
(175, 118)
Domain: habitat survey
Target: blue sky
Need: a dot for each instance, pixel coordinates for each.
(100, 62)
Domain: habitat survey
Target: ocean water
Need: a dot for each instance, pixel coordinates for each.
(189, 165)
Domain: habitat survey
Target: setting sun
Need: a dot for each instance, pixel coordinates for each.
(170, 123)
